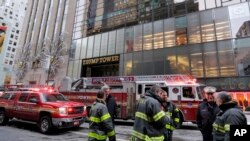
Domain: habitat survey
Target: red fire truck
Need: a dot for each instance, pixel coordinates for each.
(183, 90)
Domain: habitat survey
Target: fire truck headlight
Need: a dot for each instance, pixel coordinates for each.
(62, 110)
(84, 108)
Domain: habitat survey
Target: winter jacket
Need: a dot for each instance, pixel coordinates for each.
(173, 112)
(206, 115)
(101, 125)
(111, 105)
(150, 120)
(230, 114)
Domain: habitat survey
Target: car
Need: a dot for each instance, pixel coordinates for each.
(48, 109)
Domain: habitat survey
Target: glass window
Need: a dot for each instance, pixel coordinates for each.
(120, 41)
(196, 61)
(222, 25)
(210, 59)
(111, 45)
(84, 48)
(90, 46)
(194, 35)
(158, 34)
(159, 60)
(97, 44)
(129, 39)
(138, 38)
(148, 64)
(23, 97)
(33, 97)
(171, 61)
(242, 56)
(188, 92)
(147, 36)
(240, 20)
(182, 60)
(207, 26)
(104, 44)
(181, 30)
(169, 32)
(72, 50)
(226, 58)
(180, 8)
(128, 64)
(137, 63)
(78, 49)
(77, 69)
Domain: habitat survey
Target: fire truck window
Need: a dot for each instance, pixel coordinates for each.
(188, 92)
(147, 89)
(139, 89)
(23, 97)
(166, 90)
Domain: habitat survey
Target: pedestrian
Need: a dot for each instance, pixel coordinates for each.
(206, 113)
(110, 102)
(101, 125)
(173, 113)
(230, 114)
(150, 119)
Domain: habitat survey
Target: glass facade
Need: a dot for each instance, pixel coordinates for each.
(191, 37)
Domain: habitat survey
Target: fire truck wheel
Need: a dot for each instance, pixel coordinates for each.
(3, 119)
(45, 124)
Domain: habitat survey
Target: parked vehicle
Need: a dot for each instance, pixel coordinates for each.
(48, 109)
(183, 90)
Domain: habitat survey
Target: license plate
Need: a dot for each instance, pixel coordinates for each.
(76, 123)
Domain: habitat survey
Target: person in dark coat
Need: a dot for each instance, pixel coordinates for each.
(100, 125)
(206, 113)
(110, 102)
(173, 113)
(150, 119)
(230, 114)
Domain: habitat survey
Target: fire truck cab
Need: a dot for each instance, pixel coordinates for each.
(183, 90)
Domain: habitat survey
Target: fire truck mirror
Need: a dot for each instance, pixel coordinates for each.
(179, 98)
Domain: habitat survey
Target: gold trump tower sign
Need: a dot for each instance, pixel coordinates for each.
(100, 60)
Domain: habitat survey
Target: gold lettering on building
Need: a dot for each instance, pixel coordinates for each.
(100, 60)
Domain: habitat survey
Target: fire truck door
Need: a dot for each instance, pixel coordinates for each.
(20, 106)
(33, 107)
(129, 88)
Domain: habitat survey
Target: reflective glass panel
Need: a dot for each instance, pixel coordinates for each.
(207, 26)
(120, 41)
(138, 38)
(104, 44)
(147, 36)
(210, 59)
(194, 35)
(129, 39)
(111, 45)
(226, 58)
(90, 46)
(158, 34)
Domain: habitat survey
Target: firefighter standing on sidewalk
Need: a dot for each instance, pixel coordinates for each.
(173, 113)
(150, 120)
(230, 114)
(101, 124)
(206, 113)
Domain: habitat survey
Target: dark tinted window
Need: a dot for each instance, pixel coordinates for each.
(188, 92)
(23, 97)
(34, 97)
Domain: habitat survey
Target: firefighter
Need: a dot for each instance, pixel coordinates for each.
(206, 113)
(230, 114)
(173, 113)
(110, 102)
(150, 120)
(101, 124)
